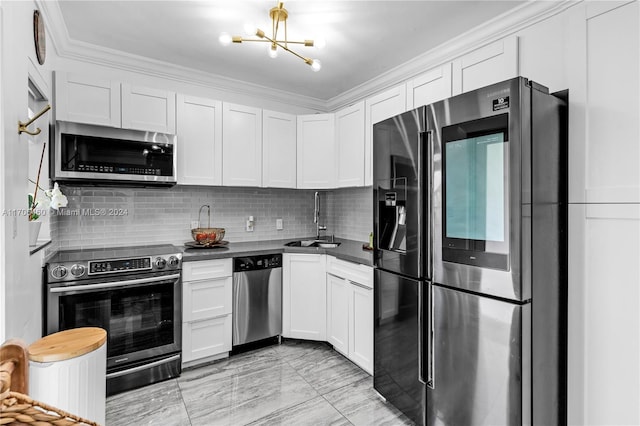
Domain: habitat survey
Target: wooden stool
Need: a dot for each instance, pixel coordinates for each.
(68, 370)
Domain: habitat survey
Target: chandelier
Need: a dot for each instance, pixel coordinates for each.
(278, 15)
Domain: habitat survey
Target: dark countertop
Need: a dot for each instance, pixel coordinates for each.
(347, 250)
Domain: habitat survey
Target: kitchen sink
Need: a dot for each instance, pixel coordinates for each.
(326, 244)
(313, 243)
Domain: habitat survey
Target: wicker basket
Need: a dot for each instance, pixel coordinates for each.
(17, 408)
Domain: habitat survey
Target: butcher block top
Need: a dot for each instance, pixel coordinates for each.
(67, 344)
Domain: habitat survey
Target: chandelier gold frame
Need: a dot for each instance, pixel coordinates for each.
(278, 15)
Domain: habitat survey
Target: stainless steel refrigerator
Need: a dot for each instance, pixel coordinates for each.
(470, 222)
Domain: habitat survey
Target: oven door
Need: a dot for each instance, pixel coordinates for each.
(141, 314)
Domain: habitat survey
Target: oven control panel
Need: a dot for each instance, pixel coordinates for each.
(79, 269)
(107, 266)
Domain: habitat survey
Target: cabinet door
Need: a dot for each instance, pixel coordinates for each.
(199, 128)
(206, 299)
(603, 315)
(148, 109)
(377, 108)
(316, 151)
(490, 64)
(361, 327)
(304, 297)
(206, 338)
(87, 99)
(278, 150)
(338, 298)
(350, 146)
(604, 148)
(241, 145)
(430, 87)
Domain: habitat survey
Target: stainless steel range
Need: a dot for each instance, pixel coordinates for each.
(135, 294)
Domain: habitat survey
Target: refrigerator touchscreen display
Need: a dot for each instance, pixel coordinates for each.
(475, 192)
(475, 188)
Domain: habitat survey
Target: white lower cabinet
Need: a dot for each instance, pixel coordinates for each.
(207, 287)
(304, 297)
(338, 292)
(350, 310)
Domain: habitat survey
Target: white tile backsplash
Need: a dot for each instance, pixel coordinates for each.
(104, 217)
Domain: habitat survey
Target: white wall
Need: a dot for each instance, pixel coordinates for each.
(20, 281)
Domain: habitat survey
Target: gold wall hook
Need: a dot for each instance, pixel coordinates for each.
(22, 127)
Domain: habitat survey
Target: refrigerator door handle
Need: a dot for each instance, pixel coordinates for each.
(421, 317)
(429, 205)
(430, 382)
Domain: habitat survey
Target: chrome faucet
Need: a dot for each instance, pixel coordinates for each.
(316, 215)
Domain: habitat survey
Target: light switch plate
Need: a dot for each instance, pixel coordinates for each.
(279, 225)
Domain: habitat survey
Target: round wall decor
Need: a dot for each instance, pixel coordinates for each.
(38, 37)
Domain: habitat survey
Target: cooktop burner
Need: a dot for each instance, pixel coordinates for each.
(113, 253)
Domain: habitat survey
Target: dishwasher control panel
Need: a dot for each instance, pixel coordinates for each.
(252, 263)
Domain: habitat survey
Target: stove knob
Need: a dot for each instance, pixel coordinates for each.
(160, 262)
(77, 270)
(173, 261)
(59, 272)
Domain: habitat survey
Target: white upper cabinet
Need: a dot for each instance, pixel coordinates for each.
(490, 64)
(278, 150)
(605, 150)
(350, 158)
(149, 109)
(87, 99)
(241, 145)
(199, 131)
(432, 86)
(377, 108)
(316, 151)
(91, 100)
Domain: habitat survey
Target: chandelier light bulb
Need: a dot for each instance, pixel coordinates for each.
(273, 52)
(250, 28)
(225, 39)
(320, 43)
(316, 65)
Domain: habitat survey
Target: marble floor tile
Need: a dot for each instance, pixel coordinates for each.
(316, 411)
(150, 405)
(326, 370)
(296, 383)
(360, 404)
(241, 399)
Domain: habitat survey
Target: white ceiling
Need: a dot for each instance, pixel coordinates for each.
(364, 38)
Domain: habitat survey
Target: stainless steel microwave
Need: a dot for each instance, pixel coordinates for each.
(95, 155)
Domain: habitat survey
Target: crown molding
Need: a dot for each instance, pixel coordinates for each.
(493, 30)
(501, 26)
(67, 48)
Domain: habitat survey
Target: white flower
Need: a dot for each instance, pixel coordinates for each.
(58, 199)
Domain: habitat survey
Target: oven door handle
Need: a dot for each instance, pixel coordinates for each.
(88, 287)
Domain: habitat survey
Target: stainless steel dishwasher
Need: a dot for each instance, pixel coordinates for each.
(257, 298)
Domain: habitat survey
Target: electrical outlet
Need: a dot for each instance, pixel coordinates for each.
(249, 226)
(279, 225)
(195, 224)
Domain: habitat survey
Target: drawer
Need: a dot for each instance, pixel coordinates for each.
(206, 299)
(204, 269)
(355, 272)
(206, 338)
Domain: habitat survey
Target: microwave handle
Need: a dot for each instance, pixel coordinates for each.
(101, 286)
